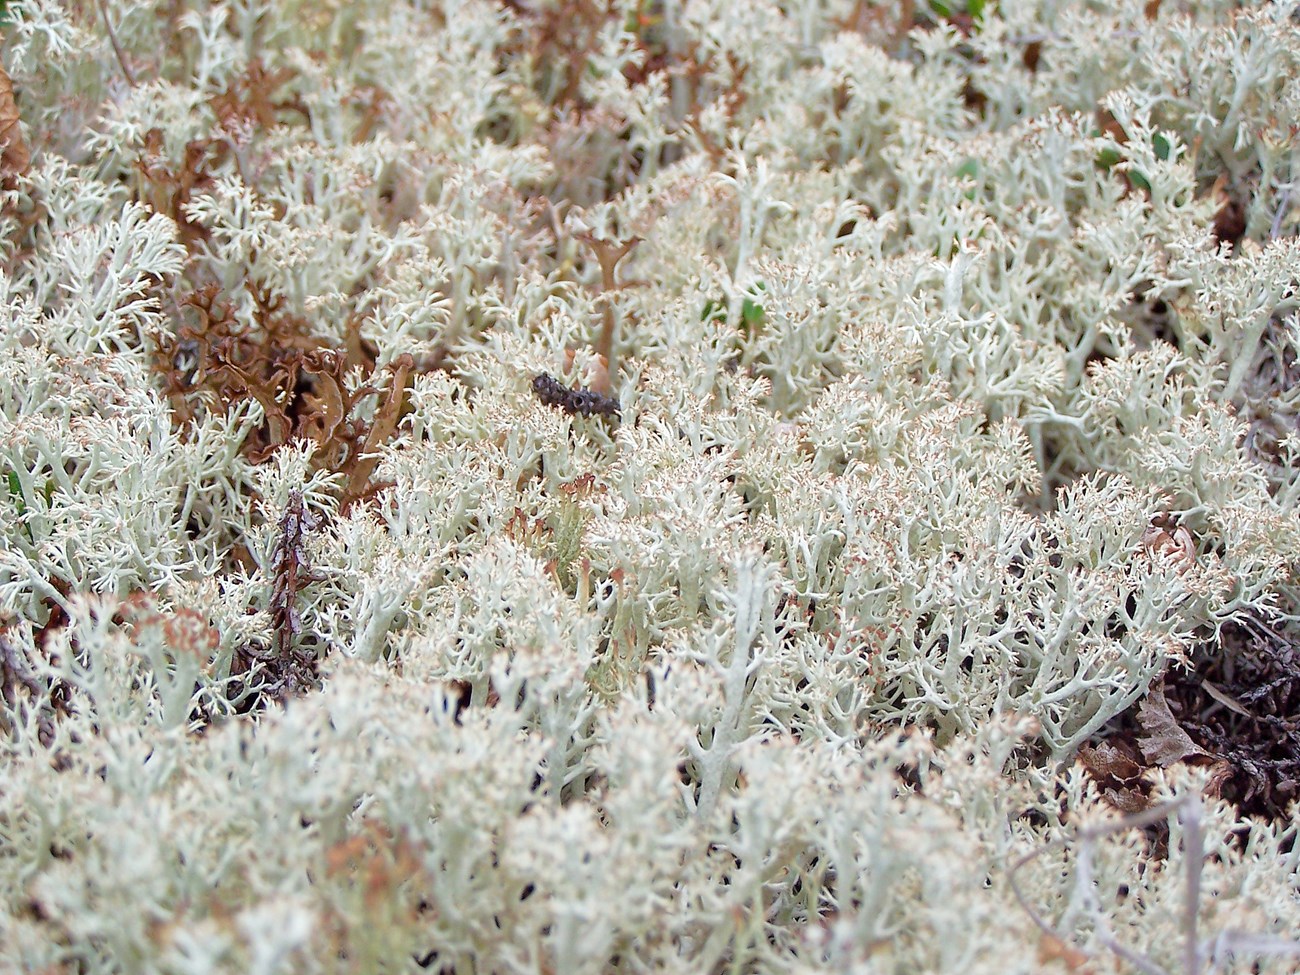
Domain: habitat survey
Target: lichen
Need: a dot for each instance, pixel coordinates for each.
(693, 486)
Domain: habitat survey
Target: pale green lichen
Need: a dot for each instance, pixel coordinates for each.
(915, 338)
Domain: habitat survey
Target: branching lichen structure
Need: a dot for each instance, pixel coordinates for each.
(518, 486)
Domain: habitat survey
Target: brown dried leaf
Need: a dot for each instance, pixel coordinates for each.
(382, 427)
(1105, 761)
(1127, 801)
(1053, 949)
(325, 411)
(1164, 741)
(1169, 544)
(250, 102)
(168, 187)
(15, 156)
(1114, 765)
(1110, 126)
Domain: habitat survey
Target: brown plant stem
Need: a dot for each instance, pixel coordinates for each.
(608, 254)
(117, 48)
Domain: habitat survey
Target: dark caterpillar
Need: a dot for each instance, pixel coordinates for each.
(552, 392)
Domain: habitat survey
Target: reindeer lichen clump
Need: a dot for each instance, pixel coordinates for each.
(683, 486)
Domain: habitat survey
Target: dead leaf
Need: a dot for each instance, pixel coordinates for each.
(1051, 949)
(15, 156)
(1164, 742)
(386, 419)
(1169, 544)
(1105, 761)
(1114, 766)
(326, 410)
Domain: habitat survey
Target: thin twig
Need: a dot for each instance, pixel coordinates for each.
(1084, 880)
(117, 48)
(1086, 837)
(1224, 944)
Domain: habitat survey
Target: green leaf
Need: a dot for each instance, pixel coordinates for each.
(1108, 158)
(970, 169)
(16, 492)
(751, 312)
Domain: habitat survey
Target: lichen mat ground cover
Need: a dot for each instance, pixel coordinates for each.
(632, 486)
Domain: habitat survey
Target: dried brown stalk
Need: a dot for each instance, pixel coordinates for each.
(608, 254)
(117, 47)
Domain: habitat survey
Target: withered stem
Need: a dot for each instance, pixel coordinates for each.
(117, 48)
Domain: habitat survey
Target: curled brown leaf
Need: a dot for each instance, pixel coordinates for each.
(14, 154)
(1169, 544)
(1164, 741)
